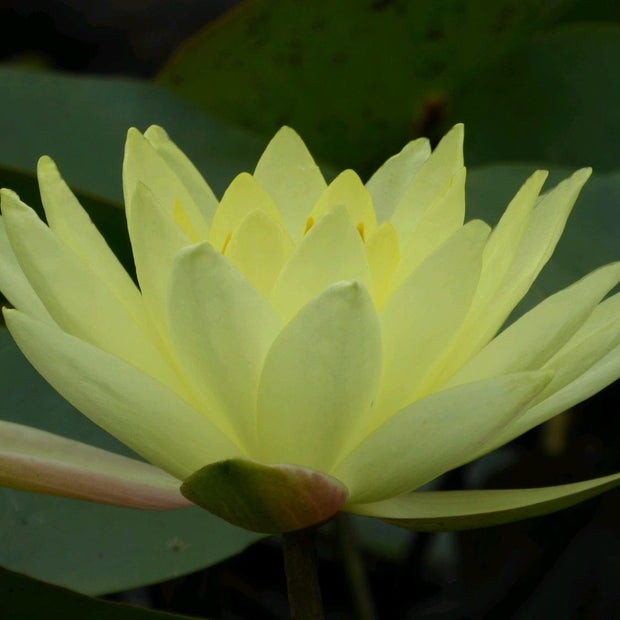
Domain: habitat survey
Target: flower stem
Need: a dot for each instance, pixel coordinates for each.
(354, 568)
(300, 564)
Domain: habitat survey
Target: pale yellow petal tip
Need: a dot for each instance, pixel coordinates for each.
(46, 163)
(9, 200)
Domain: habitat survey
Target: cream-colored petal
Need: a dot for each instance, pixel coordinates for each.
(383, 254)
(331, 251)
(599, 335)
(534, 338)
(155, 240)
(135, 408)
(259, 249)
(497, 295)
(430, 182)
(592, 380)
(66, 217)
(507, 237)
(441, 220)
(14, 284)
(35, 460)
(288, 172)
(221, 328)
(79, 302)
(242, 196)
(143, 164)
(319, 380)
(182, 166)
(347, 190)
(388, 183)
(440, 511)
(421, 318)
(433, 435)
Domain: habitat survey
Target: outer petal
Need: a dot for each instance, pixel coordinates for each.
(143, 164)
(155, 240)
(66, 217)
(420, 319)
(534, 338)
(142, 413)
(389, 182)
(498, 295)
(434, 435)
(331, 251)
(221, 328)
(14, 284)
(34, 460)
(288, 172)
(184, 169)
(430, 182)
(437, 511)
(441, 220)
(319, 380)
(593, 380)
(80, 303)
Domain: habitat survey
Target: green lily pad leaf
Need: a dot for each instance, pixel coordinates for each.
(556, 101)
(84, 120)
(29, 599)
(437, 511)
(352, 77)
(265, 498)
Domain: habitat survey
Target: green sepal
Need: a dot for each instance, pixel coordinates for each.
(265, 498)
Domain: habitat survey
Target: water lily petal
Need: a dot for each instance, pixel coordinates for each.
(140, 411)
(66, 217)
(331, 251)
(439, 511)
(495, 300)
(35, 460)
(592, 380)
(221, 328)
(13, 282)
(535, 337)
(319, 379)
(242, 196)
(441, 220)
(182, 166)
(389, 182)
(433, 435)
(155, 241)
(348, 190)
(383, 254)
(144, 164)
(259, 249)
(80, 303)
(430, 182)
(288, 172)
(436, 296)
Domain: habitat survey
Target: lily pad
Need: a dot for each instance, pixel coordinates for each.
(356, 79)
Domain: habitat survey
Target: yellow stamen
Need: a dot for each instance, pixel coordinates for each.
(309, 224)
(226, 242)
(360, 230)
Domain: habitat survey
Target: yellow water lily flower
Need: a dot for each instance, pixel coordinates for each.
(300, 348)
